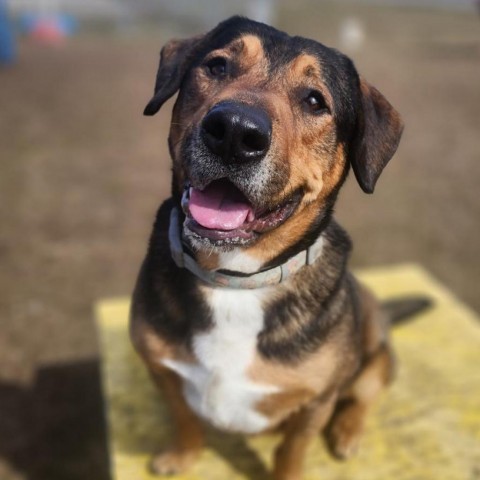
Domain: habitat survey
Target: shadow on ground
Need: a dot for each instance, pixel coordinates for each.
(55, 429)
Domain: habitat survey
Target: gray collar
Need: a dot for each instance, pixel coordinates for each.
(264, 278)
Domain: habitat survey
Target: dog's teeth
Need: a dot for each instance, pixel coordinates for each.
(184, 201)
(250, 216)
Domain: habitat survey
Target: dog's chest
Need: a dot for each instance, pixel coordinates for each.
(217, 386)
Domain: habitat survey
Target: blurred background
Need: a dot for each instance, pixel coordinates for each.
(82, 173)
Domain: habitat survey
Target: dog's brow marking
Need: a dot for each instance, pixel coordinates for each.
(217, 386)
(305, 65)
(252, 47)
(248, 52)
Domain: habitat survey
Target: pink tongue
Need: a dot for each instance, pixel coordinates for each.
(217, 208)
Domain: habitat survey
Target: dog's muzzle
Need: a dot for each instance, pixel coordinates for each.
(230, 187)
(237, 132)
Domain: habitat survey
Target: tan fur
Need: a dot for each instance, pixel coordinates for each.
(188, 439)
(375, 323)
(154, 348)
(299, 431)
(304, 66)
(347, 423)
(252, 51)
(297, 384)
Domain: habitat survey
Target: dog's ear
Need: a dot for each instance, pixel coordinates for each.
(378, 133)
(175, 59)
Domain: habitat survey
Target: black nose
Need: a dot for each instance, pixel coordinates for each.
(237, 132)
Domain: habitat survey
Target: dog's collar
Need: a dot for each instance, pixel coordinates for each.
(264, 278)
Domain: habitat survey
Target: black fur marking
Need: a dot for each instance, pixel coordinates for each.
(313, 306)
(170, 298)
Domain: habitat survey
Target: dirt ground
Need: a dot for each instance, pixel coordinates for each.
(82, 173)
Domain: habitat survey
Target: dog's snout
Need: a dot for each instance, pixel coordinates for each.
(237, 132)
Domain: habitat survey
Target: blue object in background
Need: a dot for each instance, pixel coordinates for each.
(8, 49)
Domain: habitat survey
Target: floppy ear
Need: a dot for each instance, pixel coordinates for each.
(379, 130)
(175, 59)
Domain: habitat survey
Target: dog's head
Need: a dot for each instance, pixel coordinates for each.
(263, 133)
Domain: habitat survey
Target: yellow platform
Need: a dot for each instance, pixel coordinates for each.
(426, 427)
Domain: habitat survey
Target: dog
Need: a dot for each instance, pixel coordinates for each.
(244, 311)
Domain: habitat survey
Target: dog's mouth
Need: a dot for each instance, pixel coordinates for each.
(223, 214)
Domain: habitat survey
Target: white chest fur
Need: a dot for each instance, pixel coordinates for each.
(217, 387)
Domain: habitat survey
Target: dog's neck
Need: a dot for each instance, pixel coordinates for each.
(238, 270)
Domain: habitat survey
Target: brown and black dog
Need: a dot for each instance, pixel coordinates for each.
(244, 311)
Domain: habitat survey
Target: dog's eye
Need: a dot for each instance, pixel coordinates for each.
(217, 67)
(315, 103)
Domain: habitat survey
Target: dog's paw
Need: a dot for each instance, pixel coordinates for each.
(172, 462)
(344, 433)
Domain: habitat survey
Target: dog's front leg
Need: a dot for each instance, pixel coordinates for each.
(188, 436)
(346, 426)
(299, 430)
